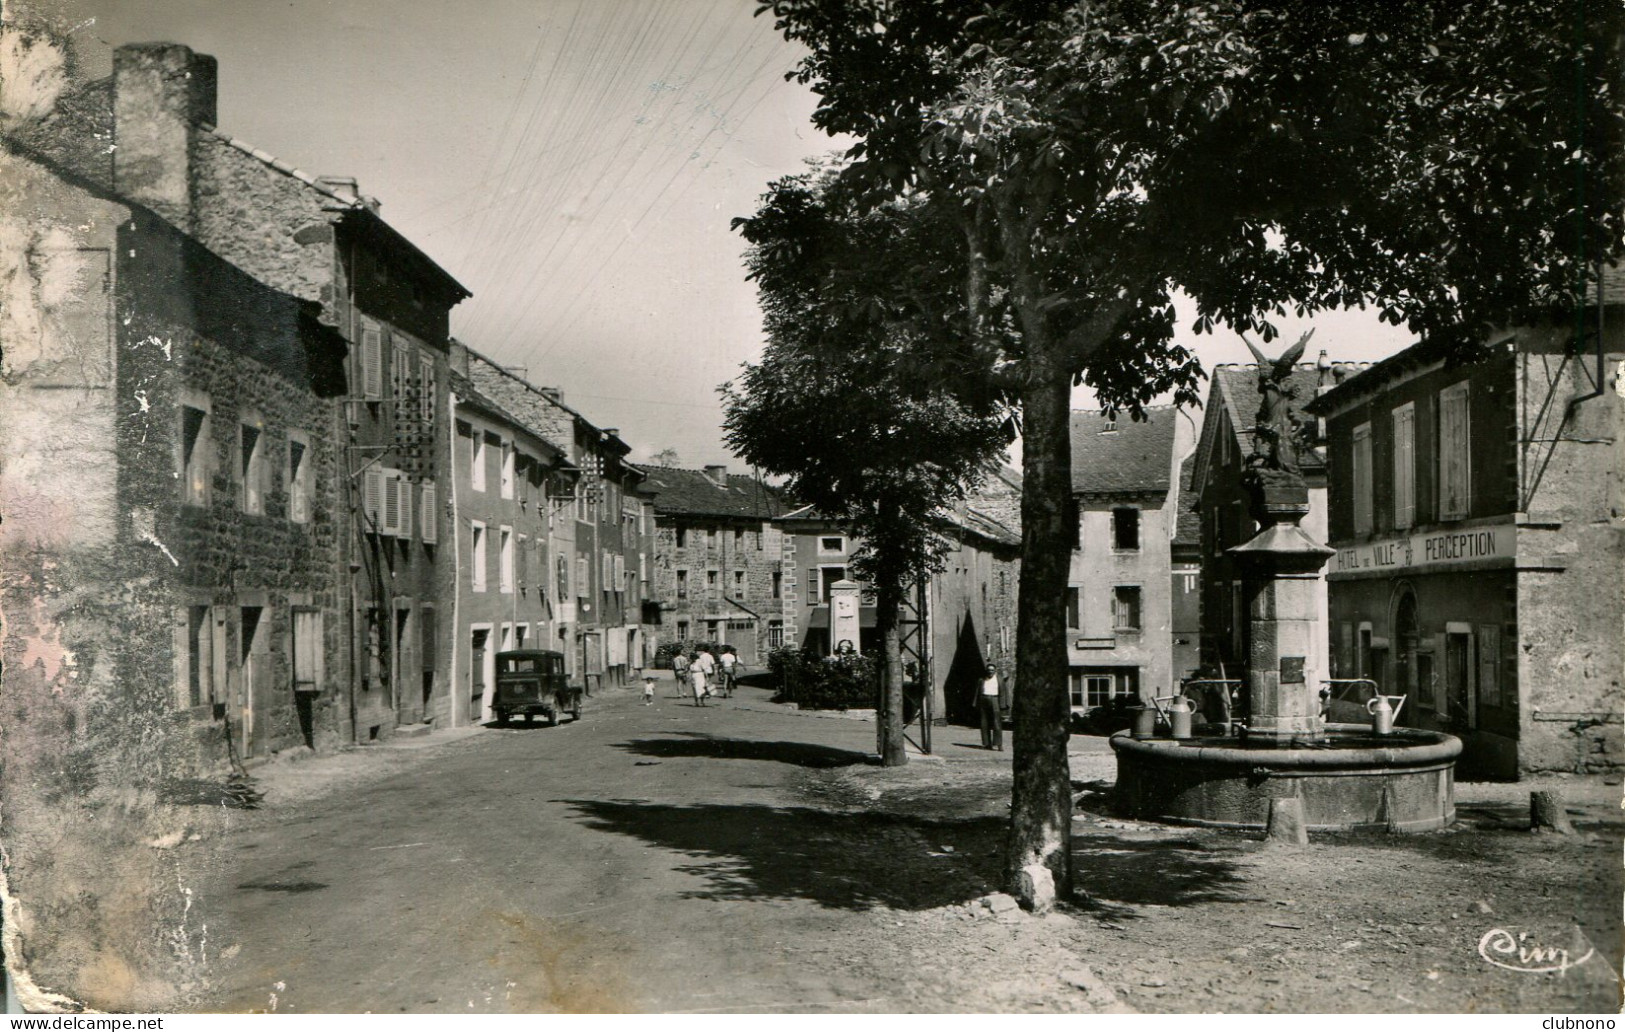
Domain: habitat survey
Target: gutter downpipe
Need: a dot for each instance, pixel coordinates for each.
(452, 685)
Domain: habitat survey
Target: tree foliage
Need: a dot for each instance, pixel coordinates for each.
(1457, 165)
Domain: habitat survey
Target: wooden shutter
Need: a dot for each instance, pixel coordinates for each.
(430, 517)
(1489, 665)
(1404, 423)
(307, 650)
(372, 498)
(390, 524)
(1361, 479)
(426, 388)
(1454, 481)
(180, 643)
(404, 486)
(372, 360)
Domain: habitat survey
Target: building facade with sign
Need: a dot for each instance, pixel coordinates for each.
(1475, 510)
(1120, 608)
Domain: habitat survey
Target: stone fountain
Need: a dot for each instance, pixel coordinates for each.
(1345, 776)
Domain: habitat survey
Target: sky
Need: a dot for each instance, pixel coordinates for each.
(574, 163)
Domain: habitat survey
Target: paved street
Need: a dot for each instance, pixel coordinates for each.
(744, 858)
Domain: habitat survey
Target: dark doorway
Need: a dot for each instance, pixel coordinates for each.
(964, 680)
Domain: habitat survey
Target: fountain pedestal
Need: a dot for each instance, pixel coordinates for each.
(1346, 777)
(1281, 567)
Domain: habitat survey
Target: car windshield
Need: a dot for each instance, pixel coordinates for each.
(522, 665)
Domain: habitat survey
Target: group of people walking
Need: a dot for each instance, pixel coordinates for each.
(702, 670)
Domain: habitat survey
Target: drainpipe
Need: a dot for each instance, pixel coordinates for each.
(456, 557)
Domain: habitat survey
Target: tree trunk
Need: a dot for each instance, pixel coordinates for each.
(1041, 798)
(888, 600)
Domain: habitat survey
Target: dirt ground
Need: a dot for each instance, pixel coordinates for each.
(745, 858)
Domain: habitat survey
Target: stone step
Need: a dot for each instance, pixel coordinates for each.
(412, 730)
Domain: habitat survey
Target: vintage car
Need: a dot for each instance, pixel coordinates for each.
(532, 681)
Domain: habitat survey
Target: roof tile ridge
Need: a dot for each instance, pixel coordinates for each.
(277, 163)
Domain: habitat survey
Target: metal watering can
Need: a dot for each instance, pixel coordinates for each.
(1383, 715)
(1177, 714)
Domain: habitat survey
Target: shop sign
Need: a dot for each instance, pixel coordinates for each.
(1431, 550)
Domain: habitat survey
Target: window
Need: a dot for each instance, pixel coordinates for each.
(298, 478)
(505, 560)
(831, 546)
(682, 630)
(739, 585)
(583, 577)
(1125, 530)
(476, 562)
(757, 536)
(778, 585)
(1360, 478)
(711, 628)
(506, 482)
(250, 470)
(824, 578)
(619, 584)
(739, 538)
(1404, 419)
(1455, 480)
(1126, 608)
(711, 582)
(196, 451)
(1074, 617)
(476, 461)
(710, 537)
(775, 634)
(682, 537)
(682, 584)
(195, 657)
(1098, 686)
(520, 633)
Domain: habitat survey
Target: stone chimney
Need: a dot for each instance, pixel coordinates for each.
(345, 186)
(718, 475)
(161, 93)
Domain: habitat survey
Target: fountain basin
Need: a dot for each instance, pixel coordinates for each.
(1348, 779)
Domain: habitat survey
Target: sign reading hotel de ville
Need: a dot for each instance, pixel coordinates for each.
(1432, 550)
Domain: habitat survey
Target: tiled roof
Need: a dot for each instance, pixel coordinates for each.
(1122, 456)
(470, 396)
(1238, 386)
(692, 492)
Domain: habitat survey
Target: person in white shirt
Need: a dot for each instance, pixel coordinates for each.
(988, 704)
(704, 670)
(728, 661)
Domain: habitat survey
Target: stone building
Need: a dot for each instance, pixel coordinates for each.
(718, 572)
(1120, 624)
(320, 241)
(171, 564)
(1475, 509)
(970, 612)
(602, 536)
(506, 482)
(1222, 451)
(1185, 591)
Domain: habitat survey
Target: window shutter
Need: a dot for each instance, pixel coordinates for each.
(404, 486)
(1404, 467)
(391, 522)
(1454, 487)
(426, 385)
(372, 498)
(429, 517)
(1361, 478)
(372, 360)
(620, 573)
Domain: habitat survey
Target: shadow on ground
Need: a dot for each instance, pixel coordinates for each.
(700, 745)
(847, 861)
(1120, 872)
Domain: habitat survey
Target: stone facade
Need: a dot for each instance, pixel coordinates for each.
(170, 566)
(606, 527)
(1474, 509)
(1120, 621)
(718, 568)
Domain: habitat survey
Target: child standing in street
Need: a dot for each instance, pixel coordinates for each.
(648, 690)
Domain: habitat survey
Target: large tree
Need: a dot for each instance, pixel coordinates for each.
(1455, 165)
(855, 400)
